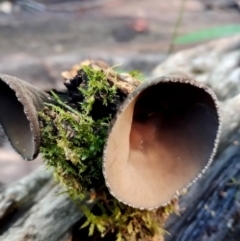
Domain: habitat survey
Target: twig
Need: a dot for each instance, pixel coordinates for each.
(176, 27)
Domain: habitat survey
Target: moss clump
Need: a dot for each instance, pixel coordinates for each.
(125, 222)
(74, 132)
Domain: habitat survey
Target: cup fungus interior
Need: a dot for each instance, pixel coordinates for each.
(159, 143)
(15, 123)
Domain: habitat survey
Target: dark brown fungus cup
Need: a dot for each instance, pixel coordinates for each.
(163, 138)
(19, 104)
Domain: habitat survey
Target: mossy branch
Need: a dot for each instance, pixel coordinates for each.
(74, 133)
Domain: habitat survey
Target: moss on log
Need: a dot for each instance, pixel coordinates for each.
(74, 132)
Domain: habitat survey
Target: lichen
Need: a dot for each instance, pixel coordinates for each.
(74, 132)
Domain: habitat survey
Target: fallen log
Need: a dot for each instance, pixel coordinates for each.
(212, 206)
(35, 208)
(23, 217)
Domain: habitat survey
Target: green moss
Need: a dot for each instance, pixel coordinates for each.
(137, 74)
(73, 142)
(126, 222)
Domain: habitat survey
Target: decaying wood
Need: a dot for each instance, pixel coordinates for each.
(35, 208)
(230, 119)
(213, 204)
(21, 193)
(31, 209)
(49, 219)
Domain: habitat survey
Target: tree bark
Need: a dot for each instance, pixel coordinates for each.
(212, 205)
(35, 209)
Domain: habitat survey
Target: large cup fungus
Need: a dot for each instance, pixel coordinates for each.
(163, 138)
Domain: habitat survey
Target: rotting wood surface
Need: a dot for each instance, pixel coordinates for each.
(34, 209)
(214, 213)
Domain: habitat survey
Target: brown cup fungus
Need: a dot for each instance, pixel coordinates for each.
(19, 104)
(163, 138)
